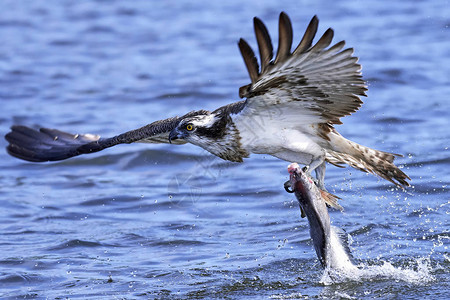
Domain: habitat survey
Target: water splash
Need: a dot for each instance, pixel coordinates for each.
(417, 272)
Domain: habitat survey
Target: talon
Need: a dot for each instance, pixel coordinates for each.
(287, 187)
(316, 182)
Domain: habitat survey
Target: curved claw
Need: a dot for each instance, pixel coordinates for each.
(287, 187)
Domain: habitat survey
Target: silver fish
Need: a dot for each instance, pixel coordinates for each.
(330, 242)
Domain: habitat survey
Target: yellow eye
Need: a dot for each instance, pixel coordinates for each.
(189, 127)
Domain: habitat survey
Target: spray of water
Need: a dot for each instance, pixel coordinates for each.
(418, 271)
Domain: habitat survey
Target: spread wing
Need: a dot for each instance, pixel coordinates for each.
(51, 144)
(313, 80)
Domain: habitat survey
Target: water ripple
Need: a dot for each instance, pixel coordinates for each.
(76, 243)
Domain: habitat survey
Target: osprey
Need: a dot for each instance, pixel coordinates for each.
(290, 109)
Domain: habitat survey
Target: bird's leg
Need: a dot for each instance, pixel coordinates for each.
(320, 175)
(317, 164)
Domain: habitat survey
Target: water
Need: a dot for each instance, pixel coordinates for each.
(161, 221)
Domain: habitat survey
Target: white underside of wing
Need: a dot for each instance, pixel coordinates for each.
(277, 106)
(280, 131)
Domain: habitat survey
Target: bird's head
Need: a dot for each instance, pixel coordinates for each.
(197, 129)
(214, 132)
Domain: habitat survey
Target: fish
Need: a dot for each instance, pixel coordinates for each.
(330, 242)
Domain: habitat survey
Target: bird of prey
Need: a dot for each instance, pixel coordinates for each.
(290, 109)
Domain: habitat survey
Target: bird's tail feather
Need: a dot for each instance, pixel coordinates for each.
(365, 159)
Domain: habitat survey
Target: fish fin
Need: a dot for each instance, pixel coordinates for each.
(331, 200)
(342, 235)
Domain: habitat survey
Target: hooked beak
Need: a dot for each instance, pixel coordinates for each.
(173, 135)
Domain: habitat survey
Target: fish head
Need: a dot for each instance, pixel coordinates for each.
(303, 185)
(300, 180)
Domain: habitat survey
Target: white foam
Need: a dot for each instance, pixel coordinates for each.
(418, 272)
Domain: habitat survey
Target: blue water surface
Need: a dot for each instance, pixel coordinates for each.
(164, 221)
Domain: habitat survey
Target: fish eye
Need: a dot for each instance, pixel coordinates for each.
(189, 127)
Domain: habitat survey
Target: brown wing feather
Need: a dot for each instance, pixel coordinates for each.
(324, 41)
(322, 80)
(264, 43)
(284, 38)
(308, 37)
(249, 59)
